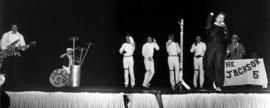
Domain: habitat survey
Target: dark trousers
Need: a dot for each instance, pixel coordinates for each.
(214, 63)
(12, 67)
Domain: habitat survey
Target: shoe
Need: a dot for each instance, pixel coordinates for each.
(126, 86)
(202, 89)
(218, 89)
(179, 85)
(132, 86)
(214, 86)
(172, 87)
(195, 88)
(145, 86)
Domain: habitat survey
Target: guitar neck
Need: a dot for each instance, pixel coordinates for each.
(27, 46)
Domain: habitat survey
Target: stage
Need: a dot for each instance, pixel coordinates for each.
(113, 97)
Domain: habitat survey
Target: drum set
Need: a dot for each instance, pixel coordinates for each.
(70, 75)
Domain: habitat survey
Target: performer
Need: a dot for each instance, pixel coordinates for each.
(173, 50)
(67, 61)
(217, 36)
(198, 48)
(235, 50)
(12, 36)
(16, 38)
(127, 50)
(148, 52)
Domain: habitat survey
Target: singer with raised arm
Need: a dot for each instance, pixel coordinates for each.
(217, 34)
(148, 52)
(127, 50)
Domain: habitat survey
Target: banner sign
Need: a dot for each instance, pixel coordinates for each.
(245, 71)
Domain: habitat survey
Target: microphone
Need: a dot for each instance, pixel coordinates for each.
(73, 38)
(182, 22)
(211, 13)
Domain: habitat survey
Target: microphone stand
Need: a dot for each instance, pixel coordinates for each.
(86, 53)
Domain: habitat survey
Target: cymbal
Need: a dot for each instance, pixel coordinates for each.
(82, 48)
(73, 38)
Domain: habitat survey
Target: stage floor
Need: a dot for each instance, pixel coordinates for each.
(162, 90)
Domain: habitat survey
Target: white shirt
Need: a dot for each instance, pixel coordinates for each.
(173, 48)
(198, 49)
(128, 48)
(148, 49)
(9, 37)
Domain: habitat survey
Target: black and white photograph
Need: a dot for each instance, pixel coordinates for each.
(134, 53)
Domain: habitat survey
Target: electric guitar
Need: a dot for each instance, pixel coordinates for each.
(12, 50)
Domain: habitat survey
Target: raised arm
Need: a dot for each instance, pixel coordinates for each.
(121, 49)
(132, 42)
(209, 19)
(155, 44)
(192, 48)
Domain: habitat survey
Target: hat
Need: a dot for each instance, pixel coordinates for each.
(69, 49)
(234, 36)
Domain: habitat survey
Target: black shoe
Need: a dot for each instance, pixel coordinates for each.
(173, 88)
(195, 88)
(145, 86)
(201, 89)
(179, 85)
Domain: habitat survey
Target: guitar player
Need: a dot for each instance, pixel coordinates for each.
(11, 65)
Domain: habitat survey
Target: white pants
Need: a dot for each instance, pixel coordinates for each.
(128, 63)
(198, 69)
(150, 71)
(173, 62)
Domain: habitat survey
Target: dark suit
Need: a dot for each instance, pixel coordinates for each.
(215, 52)
(236, 51)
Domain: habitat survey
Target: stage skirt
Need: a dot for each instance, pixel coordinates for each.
(214, 100)
(65, 100)
(37, 99)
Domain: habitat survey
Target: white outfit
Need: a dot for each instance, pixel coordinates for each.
(128, 62)
(148, 52)
(68, 66)
(198, 49)
(10, 37)
(173, 50)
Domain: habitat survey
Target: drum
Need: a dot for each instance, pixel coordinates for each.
(59, 78)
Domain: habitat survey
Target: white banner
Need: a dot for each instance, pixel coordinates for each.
(245, 71)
